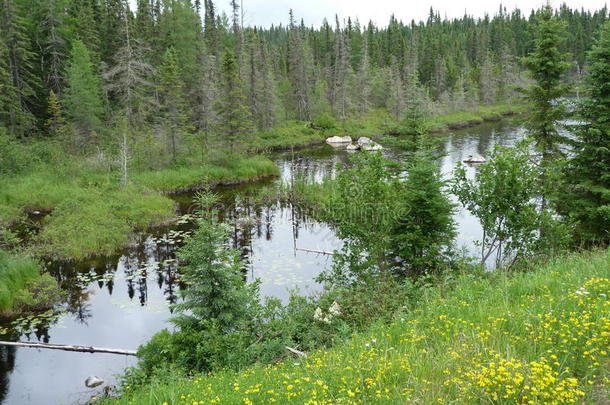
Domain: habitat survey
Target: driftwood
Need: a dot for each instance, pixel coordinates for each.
(297, 352)
(321, 252)
(69, 348)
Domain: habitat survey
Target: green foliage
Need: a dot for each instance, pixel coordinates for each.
(436, 350)
(23, 287)
(588, 172)
(390, 226)
(547, 67)
(365, 207)
(325, 121)
(503, 196)
(82, 98)
(424, 235)
(235, 122)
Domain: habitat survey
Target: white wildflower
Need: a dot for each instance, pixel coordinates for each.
(318, 315)
(335, 309)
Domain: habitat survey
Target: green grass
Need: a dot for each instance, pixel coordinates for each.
(90, 214)
(185, 178)
(540, 337)
(474, 117)
(15, 273)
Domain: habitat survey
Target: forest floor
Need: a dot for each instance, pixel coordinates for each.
(538, 337)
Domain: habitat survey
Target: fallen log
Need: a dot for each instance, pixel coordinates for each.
(69, 348)
(321, 252)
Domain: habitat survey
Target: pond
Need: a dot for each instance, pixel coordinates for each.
(121, 301)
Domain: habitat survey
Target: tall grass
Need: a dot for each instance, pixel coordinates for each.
(15, 272)
(529, 338)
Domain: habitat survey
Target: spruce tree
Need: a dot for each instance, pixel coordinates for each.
(171, 98)
(82, 98)
(547, 66)
(20, 62)
(235, 123)
(56, 124)
(588, 198)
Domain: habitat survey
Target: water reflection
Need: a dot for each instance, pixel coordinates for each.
(121, 301)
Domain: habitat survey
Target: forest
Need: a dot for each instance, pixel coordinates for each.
(152, 147)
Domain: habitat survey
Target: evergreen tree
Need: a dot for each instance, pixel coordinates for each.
(424, 235)
(234, 117)
(171, 98)
(23, 81)
(298, 71)
(588, 198)
(55, 44)
(56, 124)
(82, 98)
(547, 67)
(341, 74)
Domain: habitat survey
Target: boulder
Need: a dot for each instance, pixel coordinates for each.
(364, 141)
(352, 146)
(93, 381)
(372, 147)
(333, 140)
(475, 158)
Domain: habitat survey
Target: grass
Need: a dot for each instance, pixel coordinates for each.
(15, 273)
(186, 178)
(464, 119)
(540, 337)
(90, 214)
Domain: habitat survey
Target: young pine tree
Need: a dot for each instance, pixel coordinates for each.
(56, 124)
(235, 122)
(547, 66)
(82, 98)
(589, 170)
(424, 236)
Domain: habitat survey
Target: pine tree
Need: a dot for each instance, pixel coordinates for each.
(588, 198)
(424, 235)
(171, 98)
(547, 67)
(235, 123)
(20, 62)
(56, 124)
(363, 90)
(82, 98)
(55, 44)
(299, 71)
(128, 81)
(341, 74)
(207, 95)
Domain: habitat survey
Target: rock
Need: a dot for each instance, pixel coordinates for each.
(476, 158)
(372, 147)
(364, 141)
(339, 140)
(352, 146)
(92, 382)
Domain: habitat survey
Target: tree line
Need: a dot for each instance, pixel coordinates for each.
(80, 70)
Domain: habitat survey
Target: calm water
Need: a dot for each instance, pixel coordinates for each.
(121, 301)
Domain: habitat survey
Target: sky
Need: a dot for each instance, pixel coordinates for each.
(267, 12)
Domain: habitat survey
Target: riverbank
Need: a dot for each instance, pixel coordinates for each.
(23, 286)
(503, 338)
(79, 210)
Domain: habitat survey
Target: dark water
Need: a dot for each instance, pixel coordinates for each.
(121, 301)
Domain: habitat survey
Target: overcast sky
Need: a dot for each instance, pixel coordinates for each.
(267, 12)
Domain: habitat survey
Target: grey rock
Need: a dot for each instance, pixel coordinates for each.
(93, 381)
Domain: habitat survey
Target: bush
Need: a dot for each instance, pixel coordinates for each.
(325, 121)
